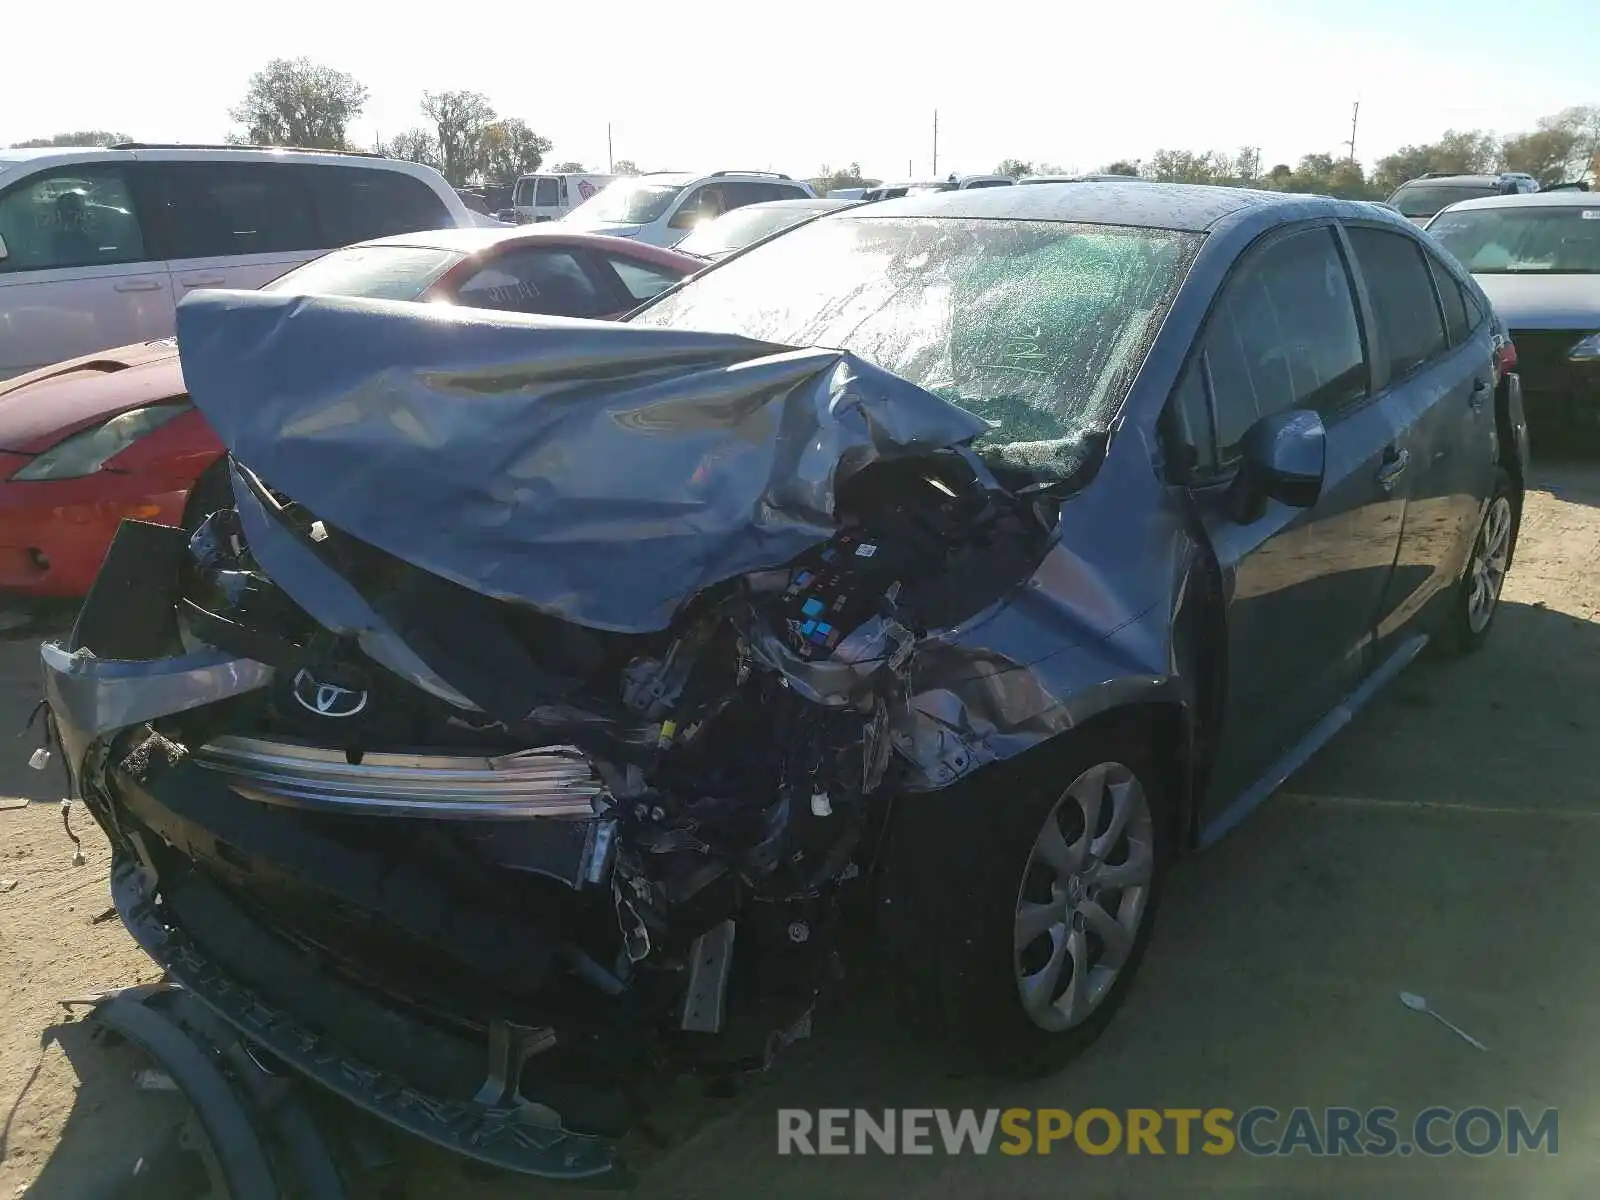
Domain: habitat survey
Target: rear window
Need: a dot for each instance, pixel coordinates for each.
(1559, 240)
(1423, 200)
(355, 204)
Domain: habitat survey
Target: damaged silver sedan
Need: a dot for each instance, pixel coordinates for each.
(554, 694)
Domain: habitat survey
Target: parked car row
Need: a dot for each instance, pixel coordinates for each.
(89, 441)
(559, 697)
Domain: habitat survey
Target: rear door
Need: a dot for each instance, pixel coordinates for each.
(1302, 586)
(80, 273)
(1436, 390)
(233, 224)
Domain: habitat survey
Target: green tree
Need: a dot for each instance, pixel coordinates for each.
(1543, 153)
(624, 166)
(296, 102)
(81, 137)
(1247, 166)
(418, 145)
(848, 176)
(1123, 166)
(1457, 152)
(1014, 167)
(570, 168)
(1408, 162)
(459, 121)
(508, 148)
(1186, 166)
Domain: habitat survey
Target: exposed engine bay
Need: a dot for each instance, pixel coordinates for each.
(554, 696)
(640, 845)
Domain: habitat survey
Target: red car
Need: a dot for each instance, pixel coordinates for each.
(85, 443)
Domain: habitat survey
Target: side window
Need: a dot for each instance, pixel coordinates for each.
(788, 191)
(548, 193)
(70, 217)
(705, 203)
(641, 281)
(1458, 316)
(1284, 335)
(1186, 425)
(535, 281)
(737, 195)
(227, 209)
(357, 203)
(1409, 322)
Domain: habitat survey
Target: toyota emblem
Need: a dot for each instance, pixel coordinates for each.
(327, 699)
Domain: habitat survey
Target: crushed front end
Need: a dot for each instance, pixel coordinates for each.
(480, 870)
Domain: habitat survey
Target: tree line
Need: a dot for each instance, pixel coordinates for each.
(296, 102)
(1562, 147)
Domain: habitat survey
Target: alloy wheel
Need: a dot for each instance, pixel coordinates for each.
(1486, 574)
(1083, 896)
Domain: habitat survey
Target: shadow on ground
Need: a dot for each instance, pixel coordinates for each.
(1447, 843)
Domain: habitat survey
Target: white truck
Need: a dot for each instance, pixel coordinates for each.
(550, 196)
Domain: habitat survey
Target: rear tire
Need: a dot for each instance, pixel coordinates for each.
(1477, 597)
(1016, 908)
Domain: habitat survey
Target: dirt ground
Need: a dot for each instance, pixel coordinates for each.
(1448, 843)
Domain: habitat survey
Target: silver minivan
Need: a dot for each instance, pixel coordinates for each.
(98, 245)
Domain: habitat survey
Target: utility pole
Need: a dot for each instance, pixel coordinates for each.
(1355, 114)
(611, 163)
(936, 143)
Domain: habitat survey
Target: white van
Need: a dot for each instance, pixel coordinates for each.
(549, 197)
(663, 207)
(98, 245)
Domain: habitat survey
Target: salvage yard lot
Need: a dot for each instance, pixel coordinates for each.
(1448, 843)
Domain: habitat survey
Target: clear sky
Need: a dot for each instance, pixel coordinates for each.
(718, 83)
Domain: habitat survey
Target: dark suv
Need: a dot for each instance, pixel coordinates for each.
(1419, 199)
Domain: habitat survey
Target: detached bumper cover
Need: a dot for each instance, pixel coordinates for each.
(518, 1137)
(92, 697)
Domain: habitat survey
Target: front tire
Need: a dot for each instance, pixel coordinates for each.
(1016, 915)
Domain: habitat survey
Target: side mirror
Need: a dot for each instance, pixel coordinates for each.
(1282, 457)
(4, 253)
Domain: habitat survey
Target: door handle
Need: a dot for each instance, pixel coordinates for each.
(204, 281)
(136, 285)
(1393, 467)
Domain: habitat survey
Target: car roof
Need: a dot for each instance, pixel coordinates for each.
(800, 204)
(1178, 206)
(1532, 200)
(472, 239)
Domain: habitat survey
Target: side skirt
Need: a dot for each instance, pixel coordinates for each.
(1317, 737)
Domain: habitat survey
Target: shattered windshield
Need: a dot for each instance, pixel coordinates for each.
(1037, 327)
(1558, 240)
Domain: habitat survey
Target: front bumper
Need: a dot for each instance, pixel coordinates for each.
(513, 1136)
(54, 535)
(92, 700)
(1558, 393)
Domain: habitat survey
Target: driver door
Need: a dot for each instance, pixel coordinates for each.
(1302, 586)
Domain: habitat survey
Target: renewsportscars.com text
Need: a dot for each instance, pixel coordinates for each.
(1259, 1131)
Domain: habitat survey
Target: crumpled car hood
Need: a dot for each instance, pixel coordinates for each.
(602, 473)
